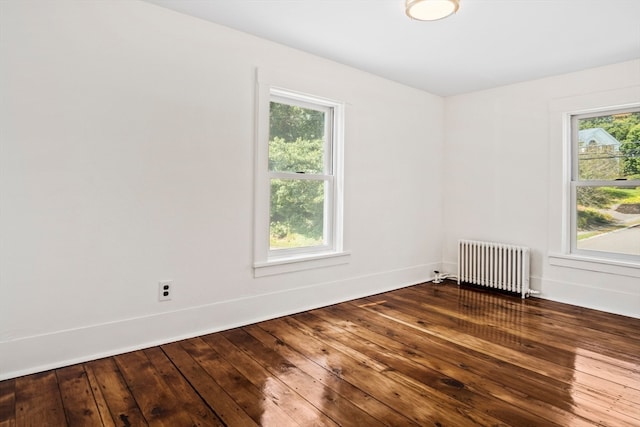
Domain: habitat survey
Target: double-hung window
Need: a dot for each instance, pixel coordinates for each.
(299, 181)
(605, 184)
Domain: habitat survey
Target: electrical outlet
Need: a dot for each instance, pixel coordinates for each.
(165, 290)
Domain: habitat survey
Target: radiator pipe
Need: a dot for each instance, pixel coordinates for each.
(439, 277)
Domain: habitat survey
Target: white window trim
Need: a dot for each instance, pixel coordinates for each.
(591, 263)
(575, 182)
(267, 262)
(591, 260)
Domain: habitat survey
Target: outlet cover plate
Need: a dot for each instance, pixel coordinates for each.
(165, 290)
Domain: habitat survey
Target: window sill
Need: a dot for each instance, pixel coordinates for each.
(299, 263)
(623, 268)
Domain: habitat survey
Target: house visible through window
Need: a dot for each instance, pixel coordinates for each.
(605, 184)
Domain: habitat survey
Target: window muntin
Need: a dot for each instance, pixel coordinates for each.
(301, 154)
(605, 184)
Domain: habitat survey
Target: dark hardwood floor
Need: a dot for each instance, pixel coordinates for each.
(428, 355)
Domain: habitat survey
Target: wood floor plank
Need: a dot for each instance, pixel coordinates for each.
(582, 323)
(416, 372)
(186, 397)
(422, 408)
(595, 407)
(107, 378)
(513, 384)
(38, 401)
(532, 341)
(154, 397)
(215, 396)
(416, 319)
(77, 398)
(593, 348)
(253, 401)
(471, 370)
(330, 381)
(607, 378)
(101, 403)
(8, 403)
(443, 355)
(331, 403)
(291, 402)
(513, 316)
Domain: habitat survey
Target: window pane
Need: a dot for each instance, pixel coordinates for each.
(608, 219)
(296, 139)
(297, 213)
(609, 147)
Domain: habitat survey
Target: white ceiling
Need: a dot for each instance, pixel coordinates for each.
(488, 43)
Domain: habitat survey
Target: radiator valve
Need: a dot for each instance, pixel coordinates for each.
(439, 277)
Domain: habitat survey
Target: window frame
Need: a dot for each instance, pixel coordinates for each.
(328, 177)
(269, 261)
(574, 182)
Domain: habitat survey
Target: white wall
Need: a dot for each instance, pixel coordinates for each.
(126, 158)
(503, 179)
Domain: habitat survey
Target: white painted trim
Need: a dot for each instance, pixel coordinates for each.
(299, 263)
(560, 221)
(269, 87)
(603, 299)
(62, 348)
(573, 182)
(601, 265)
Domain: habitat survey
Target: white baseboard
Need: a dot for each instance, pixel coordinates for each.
(609, 300)
(596, 298)
(62, 348)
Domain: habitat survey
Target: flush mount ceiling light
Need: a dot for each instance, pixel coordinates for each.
(430, 10)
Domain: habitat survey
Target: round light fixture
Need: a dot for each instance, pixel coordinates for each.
(430, 10)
